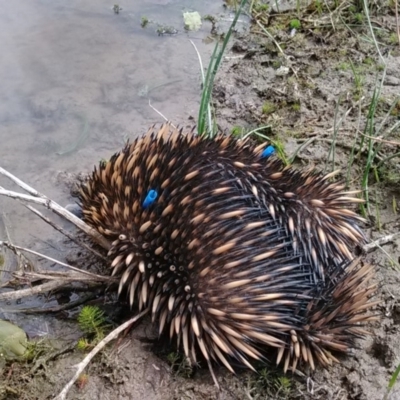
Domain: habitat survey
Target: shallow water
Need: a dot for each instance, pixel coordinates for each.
(76, 80)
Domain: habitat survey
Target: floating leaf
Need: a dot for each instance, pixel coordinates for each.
(192, 21)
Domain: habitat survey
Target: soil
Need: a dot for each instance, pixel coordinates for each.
(315, 93)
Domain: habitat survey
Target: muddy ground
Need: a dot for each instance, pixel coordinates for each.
(315, 91)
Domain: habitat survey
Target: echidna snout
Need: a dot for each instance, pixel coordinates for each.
(233, 253)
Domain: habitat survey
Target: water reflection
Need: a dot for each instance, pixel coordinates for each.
(76, 79)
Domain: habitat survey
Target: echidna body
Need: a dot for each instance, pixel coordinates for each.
(232, 251)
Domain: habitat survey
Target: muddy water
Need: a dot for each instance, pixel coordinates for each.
(76, 80)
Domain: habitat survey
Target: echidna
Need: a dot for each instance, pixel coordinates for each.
(232, 251)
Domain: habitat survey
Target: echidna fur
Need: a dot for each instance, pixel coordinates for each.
(237, 254)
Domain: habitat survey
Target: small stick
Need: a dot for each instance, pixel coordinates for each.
(162, 115)
(378, 139)
(50, 204)
(330, 16)
(43, 288)
(64, 232)
(271, 37)
(379, 242)
(83, 364)
(55, 281)
(21, 184)
(66, 276)
(14, 248)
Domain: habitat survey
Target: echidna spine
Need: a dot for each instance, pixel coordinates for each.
(231, 250)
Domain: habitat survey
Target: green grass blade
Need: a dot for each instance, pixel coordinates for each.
(392, 381)
(205, 98)
(205, 126)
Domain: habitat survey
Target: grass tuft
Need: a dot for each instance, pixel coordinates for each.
(93, 323)
(206, 125)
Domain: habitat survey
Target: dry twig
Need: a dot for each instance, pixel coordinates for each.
(56, 280)
(90, 274)
(379, 242)
(38, 198)
(39, 289)
(83, 364)
(64, 232)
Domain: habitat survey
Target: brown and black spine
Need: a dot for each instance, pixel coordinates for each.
(234, 253)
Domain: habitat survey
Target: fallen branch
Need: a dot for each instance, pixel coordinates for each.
(56, 280)
(83, 364)
(68, 277)
(15, 248)
(43, 288)
(38, 198)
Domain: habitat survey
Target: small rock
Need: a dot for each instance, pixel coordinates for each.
(392, 81)
(282, 71)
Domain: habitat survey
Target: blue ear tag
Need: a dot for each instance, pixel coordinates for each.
(268, 151)
(150, 198)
